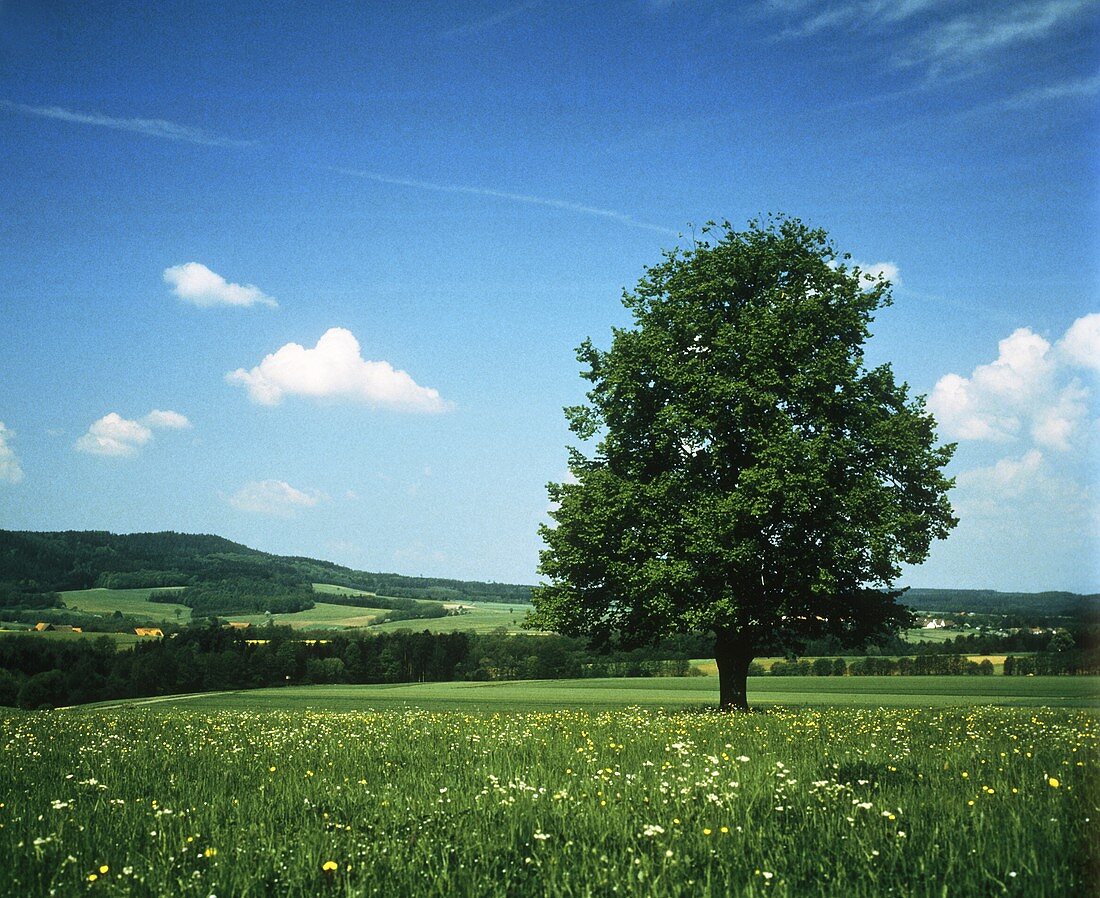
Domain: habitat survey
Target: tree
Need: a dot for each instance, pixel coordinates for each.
(747, 474)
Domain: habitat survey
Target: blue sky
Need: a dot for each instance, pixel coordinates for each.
(310, 276)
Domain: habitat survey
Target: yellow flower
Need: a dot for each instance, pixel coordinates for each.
(724, 829)
(706, 831)
(104, 869)
(328, 866)
(1054, 784)
(92, 877)
(210, 852)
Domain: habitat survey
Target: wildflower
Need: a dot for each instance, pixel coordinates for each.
(706, 831)
(104, 868)
(1054, 783)
(541, 836)
(652, 829)
(329, 866)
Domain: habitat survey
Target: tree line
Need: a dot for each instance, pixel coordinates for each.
(35, 672)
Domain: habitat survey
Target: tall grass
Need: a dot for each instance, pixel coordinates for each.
(852, 802)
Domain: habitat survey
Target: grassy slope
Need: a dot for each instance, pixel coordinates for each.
(868, 692)
(133, 602)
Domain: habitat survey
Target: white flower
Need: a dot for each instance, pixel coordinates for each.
(652, 829)
(541, 836)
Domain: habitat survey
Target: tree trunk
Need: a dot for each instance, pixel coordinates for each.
(733, 654)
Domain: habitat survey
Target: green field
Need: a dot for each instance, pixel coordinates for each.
(216, 797)
(922, 635)
(121, 640)
(131, 602)
(661, 692)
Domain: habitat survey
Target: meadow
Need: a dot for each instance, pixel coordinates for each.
(212, 797)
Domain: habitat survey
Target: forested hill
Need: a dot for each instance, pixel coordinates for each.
(988, 601)
(50, 562)
(36, 563)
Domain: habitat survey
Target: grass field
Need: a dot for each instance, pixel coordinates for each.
(121, 640)
(922, 635)
(661, 692)
(233, 800)
(131, 602)
(709, 667)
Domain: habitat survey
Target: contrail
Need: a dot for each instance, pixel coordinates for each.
(506, 195)
(151, 127)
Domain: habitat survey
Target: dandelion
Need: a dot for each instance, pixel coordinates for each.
(329, 866)
(104, 868)
(1054, 783)
(706, 831)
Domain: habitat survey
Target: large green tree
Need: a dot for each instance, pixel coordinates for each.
(746, 473)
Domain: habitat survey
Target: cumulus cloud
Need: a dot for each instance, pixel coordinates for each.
(113, 435)
(1029, 390)
(198, 285)
(335, 370)
(276, 498)
(10, 469)
(1081, 344)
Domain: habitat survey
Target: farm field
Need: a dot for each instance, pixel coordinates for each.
(322, 616)
(480, 617)
(192, 801)
(692, 693)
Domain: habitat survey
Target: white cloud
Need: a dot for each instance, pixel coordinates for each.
(10, 469)
(167, 420)
(876, 270)
(276, 498)
(335, 370)
(198, 285)
(1024, 390)
(1081, 344)
(1008, 478)
(113, 435)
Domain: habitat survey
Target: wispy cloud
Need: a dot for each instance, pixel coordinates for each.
(10, 469)
(151, 127)
(967, 39)
(486, 23)
(941, 38)
(275, 498)
(564, 205)
(1064, 90)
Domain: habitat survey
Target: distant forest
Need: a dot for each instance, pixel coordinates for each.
(222, 577)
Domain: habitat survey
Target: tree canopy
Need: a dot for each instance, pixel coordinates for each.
(747, 473)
